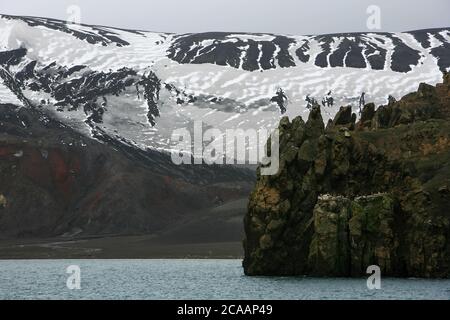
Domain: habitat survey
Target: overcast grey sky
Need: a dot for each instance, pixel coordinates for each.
(271, 16)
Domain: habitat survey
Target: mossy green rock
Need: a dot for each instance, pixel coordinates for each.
(350, 235)
(371, 234)
(329, 249)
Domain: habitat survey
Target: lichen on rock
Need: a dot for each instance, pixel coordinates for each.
(371, 234)
(329, 248)
(3, 201)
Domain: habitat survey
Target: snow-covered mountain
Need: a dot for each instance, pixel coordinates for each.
(139, 86)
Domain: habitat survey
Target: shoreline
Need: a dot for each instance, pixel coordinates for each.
(116, 247)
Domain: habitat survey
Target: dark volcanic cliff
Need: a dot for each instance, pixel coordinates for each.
(351, 195)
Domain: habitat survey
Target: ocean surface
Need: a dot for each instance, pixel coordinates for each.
(190, 279)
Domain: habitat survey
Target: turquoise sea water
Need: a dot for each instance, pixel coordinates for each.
(191, 279)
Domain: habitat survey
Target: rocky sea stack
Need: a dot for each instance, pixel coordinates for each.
(355, 194)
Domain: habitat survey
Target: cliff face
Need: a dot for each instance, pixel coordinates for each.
(351, 195)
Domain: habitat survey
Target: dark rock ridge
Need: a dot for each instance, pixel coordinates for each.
(354, 50)
(78, 86)
(212, 47)
(375, 192)
(258, 52)
(54, 181)
(441, 52)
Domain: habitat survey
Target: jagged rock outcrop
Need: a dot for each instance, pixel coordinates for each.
(354, 195)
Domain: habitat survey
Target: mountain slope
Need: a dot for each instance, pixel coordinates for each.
(55, 181)
(142, 85)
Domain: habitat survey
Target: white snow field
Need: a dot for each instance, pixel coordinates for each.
(244, 95)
